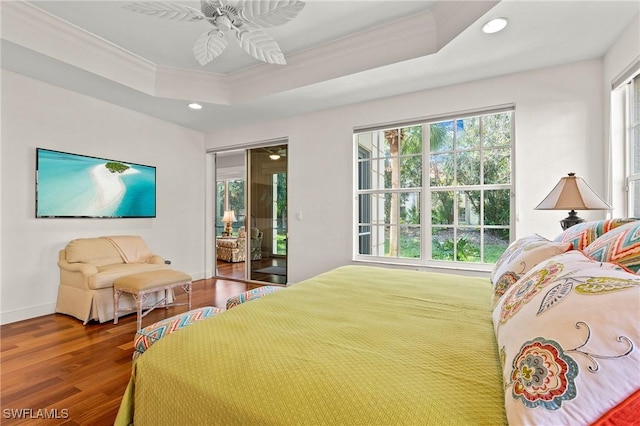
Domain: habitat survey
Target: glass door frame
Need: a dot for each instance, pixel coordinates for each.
(211, 206)
(270, 161)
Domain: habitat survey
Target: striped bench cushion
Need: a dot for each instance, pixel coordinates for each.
(247, 296)
(147, 336)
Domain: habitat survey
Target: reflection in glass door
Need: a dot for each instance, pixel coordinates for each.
(267, 207)
(230, 214)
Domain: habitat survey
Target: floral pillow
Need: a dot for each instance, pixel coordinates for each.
(519, 258)
(569, 340)
(583, 234)
(621, 246)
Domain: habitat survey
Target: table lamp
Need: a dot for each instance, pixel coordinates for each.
(572, 193)
(229, 216)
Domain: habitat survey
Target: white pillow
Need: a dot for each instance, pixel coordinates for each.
(569, 339)
(522, 255)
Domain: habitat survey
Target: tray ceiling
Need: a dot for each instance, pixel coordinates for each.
(338, 52)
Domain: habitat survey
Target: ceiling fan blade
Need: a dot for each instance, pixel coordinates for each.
(167, 10)
(269, 13)
(261, 46)
(208, 45)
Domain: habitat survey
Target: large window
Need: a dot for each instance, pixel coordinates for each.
(437, 191)
(633, 149)
(230, 196)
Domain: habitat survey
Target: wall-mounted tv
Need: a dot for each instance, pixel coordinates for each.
(73, 185)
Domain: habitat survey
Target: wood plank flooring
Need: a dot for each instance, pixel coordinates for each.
(235, 270)
(55, 371)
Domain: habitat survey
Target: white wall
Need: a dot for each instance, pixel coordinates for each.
(35, 114)
(623, 53)
(559, 129)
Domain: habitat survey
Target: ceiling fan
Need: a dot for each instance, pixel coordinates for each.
(246, 18)
(275, 154)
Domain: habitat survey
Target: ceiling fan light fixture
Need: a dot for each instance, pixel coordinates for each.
(194, 105)
(246, 18)
(274, 156)
(495, 25)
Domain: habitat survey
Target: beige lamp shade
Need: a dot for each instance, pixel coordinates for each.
(572, 193)
(229, 216)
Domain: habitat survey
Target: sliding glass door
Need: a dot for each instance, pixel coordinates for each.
(267, 205)
(250, 214)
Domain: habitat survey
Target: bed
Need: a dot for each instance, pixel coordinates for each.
(374, 346)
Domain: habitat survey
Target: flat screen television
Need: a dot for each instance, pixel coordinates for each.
(73, 185)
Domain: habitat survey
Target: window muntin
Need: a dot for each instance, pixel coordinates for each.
(466, 163)
(230, 196)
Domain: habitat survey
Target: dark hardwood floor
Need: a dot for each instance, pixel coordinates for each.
(235, 270)
(54, 370)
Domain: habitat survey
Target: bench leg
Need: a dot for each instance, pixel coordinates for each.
(116, 303)
(141, 296)
(139, 302)
(166, 297)
(187, 289)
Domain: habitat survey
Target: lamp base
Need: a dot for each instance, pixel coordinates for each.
(570, 220)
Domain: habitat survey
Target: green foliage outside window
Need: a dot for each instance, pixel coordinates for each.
(233, 197)
(469, 173)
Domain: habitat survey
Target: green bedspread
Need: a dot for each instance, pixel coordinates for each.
(356, 345)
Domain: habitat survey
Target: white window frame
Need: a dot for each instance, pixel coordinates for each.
(633, 129)
(425, 194)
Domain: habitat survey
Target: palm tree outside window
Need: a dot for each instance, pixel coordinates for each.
(437, 190)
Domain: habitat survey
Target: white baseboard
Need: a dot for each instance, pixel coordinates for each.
(50, 308)
(27, 313)
(197, 276)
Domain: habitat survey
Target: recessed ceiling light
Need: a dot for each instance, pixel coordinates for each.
(195, 106)
(494, 25)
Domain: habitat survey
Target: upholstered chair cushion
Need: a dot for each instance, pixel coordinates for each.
(94, 251)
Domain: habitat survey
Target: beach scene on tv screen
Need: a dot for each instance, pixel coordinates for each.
(71, 185)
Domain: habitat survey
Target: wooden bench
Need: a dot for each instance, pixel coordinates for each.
(143, 284)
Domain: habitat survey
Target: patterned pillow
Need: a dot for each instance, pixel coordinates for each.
(621, 246)
(568, 338)
(583, 234)
(519, 258)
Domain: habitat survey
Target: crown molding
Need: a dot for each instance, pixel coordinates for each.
(190, 85)
(453, 17)
(400, 40)
(38, 30)
(33, 28)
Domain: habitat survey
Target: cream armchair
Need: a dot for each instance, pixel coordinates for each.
(88, 268)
